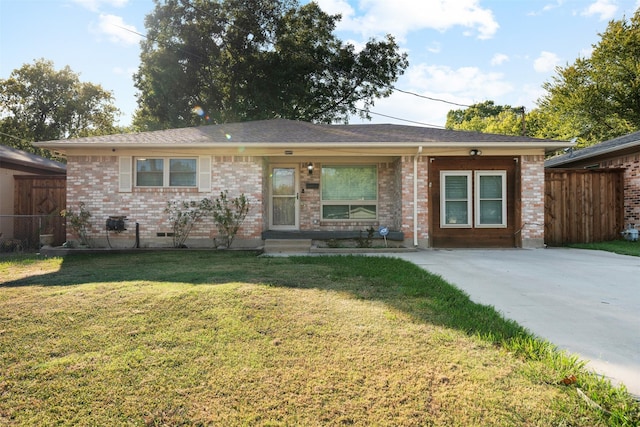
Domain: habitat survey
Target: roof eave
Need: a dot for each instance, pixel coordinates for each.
(546, 145)
(576, 156)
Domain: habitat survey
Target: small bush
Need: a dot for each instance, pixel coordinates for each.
(365, 242)
(229, 214)
(79, 222)
(183, 216)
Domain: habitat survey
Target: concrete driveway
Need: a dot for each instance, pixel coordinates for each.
(585, 302)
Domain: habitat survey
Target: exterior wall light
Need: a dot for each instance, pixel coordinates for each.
(310, 168)
(474, 152)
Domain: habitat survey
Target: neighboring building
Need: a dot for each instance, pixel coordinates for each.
(618, 153)
(17, 167)
(432, 187)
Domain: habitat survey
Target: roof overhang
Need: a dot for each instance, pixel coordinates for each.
(256, 148)
(594, 154)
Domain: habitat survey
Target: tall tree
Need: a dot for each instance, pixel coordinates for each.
(209, 61)
(597, 98)
(38, 103)
(488, 117)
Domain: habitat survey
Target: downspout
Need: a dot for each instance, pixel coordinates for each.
(415, 196)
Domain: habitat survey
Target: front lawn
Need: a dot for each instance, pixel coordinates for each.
(199, 338)
(622, 247)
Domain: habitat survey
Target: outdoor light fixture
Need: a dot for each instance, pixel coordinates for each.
(474, 152)
(310, 168)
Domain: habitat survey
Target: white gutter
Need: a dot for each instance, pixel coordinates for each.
(77, 143)
(415, 196)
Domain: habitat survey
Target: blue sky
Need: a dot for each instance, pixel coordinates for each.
(461, 51)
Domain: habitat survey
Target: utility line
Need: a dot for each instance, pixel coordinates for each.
(429, 98)
(398, 118)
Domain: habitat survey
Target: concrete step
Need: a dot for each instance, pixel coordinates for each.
(280, 246)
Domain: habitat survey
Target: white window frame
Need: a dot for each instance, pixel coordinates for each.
(443, 199)
(349, 203)
(473, 198)
(166, 172)
(503, 175)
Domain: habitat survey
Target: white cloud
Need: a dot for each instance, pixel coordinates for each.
(546, 62)
(376, 17)
(334, 7)
(434, 48)
(605, 9)
(463, 86)
(118, 32)
(547, 8)
(499, 58)
(467, 83)
(95, 5)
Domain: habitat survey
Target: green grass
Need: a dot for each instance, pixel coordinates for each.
(221, 338)
(622, 247)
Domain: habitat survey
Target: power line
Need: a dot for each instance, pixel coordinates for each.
(428, 97)
(398, 118)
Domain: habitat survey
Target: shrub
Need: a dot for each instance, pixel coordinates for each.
(365, 242)
(228, 215)
(79, 223)
(183, 216)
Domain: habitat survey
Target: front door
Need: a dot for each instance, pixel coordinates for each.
(284, 198)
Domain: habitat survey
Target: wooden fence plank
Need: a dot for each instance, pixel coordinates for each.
(583, 205)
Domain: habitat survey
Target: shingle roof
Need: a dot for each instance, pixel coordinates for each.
(290, 131)
(607, 147)
(12, 156)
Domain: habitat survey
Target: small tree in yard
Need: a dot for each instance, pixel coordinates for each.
(183, 216)
(229, 214)
(79, 223)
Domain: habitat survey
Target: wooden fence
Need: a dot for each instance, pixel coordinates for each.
(583, 205)
(37, 205)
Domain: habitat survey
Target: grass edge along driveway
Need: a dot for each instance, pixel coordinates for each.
(227, 338)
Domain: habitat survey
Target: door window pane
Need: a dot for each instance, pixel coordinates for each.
(283, 182)
(284, 211)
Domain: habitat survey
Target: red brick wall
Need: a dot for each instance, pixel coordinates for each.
(310, 206)
(532, 200)
(94, 181)
(631, 165)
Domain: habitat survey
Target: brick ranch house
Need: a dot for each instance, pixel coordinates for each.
(618, 153)
(429, 187)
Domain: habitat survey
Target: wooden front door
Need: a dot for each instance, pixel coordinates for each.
(473, 202)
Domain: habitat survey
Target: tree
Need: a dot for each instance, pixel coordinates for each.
(38, 103)
(487, 117)
(597, 98)
(237, 60)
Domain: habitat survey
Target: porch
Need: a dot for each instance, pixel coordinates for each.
(301, 241)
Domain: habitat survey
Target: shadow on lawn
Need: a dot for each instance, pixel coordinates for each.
(398, 283)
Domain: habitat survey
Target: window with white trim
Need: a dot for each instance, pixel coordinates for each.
(491, 204)
(166, 172)
(475, 199)
(349, 192)
(455, 207)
